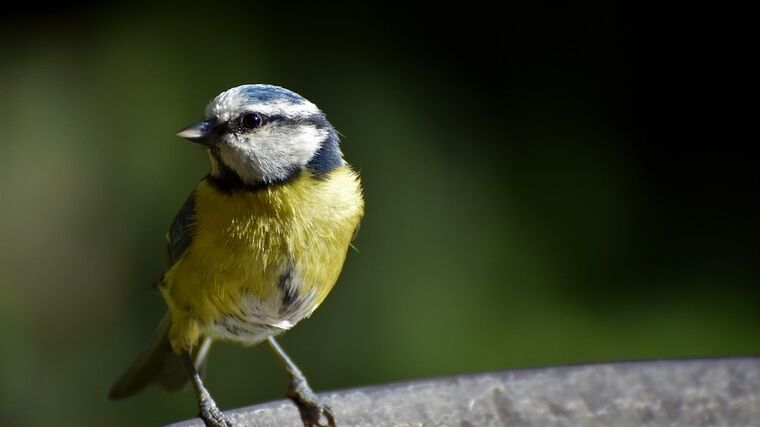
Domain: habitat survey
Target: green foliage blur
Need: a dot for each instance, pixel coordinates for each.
(511, 221)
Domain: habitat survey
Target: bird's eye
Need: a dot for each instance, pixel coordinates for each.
(252, 120)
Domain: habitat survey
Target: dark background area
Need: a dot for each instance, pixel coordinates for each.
(544, 186)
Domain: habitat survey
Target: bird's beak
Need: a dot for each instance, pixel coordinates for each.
(200, 132)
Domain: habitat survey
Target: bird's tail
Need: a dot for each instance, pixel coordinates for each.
(158, 364)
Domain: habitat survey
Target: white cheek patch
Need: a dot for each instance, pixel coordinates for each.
(271, 152)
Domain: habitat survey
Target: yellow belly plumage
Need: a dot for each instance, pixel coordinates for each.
(260, 261)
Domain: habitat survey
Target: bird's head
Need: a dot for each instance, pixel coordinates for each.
(263, 134)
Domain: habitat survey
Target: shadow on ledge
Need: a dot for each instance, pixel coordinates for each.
(721, 392)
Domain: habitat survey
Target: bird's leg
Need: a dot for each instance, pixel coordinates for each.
(313, 412)
(209, 412)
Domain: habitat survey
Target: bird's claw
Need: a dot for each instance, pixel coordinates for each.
(313, 412)
(316, 414)
(212, 416)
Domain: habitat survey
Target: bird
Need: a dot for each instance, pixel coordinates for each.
(257, 245)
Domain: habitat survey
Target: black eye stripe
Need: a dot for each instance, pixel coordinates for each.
(247, 121)
(276, 118)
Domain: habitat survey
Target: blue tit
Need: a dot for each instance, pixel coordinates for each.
(258, 244)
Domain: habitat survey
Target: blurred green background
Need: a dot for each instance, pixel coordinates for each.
(544, 187)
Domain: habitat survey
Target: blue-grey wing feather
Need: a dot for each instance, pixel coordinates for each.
(180, 234)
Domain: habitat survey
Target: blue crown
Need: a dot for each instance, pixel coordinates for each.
(260, 93)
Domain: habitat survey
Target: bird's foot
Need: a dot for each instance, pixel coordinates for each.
(313, 412)
(211, 415)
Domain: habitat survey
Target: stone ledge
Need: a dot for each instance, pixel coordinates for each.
(718, 392)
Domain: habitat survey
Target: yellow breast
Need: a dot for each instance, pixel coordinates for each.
(263, 258)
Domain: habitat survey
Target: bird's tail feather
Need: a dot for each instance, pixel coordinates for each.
(158, 364)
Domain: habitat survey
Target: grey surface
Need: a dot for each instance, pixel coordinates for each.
(723, 392)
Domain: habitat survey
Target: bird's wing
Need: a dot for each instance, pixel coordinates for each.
(181, 232)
